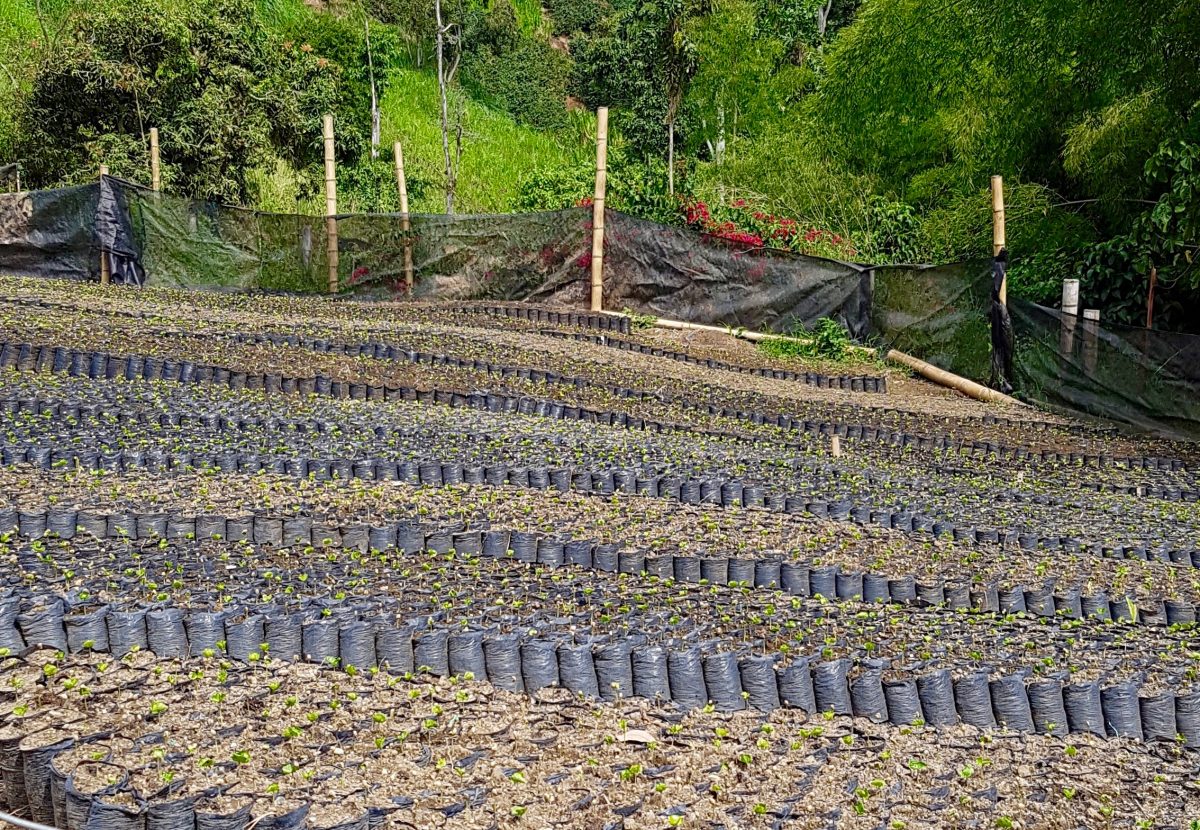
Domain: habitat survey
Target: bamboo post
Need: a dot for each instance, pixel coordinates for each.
(998, 242)
(155, 168)
(331, 231)
(598, 209)
(105, 274)
(402, 184)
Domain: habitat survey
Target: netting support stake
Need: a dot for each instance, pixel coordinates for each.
(155, 167)
(105, 275)
(405, 225)
(1091, 338)
(1150, 297)
(998, 242)
(598, 209)
(1070, 310)
(331, 229)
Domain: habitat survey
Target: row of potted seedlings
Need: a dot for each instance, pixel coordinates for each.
(813, 480)
(210, 743)
(689, 644)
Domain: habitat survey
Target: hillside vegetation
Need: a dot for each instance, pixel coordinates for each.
(862, 129)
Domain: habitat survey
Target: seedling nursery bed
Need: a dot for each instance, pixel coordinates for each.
(285, 562)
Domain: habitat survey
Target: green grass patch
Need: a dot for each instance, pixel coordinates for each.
(497, 152)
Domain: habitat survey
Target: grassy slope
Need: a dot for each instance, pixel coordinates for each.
(497, 152)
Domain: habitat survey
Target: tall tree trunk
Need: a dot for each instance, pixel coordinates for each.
(443, 81)
(374, 95)
(671, 157)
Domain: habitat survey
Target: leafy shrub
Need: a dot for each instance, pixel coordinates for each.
(828, 340)
(638, 188)
(570, 16)
(513, 71)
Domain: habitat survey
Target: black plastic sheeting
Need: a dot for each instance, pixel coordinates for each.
(1147, 379)
(164, 240)
(948, 315)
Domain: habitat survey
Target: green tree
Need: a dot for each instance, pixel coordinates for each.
(225, 94)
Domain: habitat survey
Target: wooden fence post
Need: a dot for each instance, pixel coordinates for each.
(331, 230)
(105, 274)
(598, 209)
(998, 242)
(155, 168)
(1150, 297)
(402, 184)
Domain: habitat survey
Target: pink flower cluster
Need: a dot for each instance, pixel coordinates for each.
(755, 228)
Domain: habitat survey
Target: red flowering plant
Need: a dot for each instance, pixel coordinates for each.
(744, 225)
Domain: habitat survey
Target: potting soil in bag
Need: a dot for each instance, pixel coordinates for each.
(394, 648)
(1047, 707)
(10, 636)
(973, 698)
(1010, 703)
(502, 658)
(650, 677)
(759, 683)
(903, 702)
(831, 686)
(1081, 702)
(866, 694)
(576, 669)
(283, 817)
(539, 665)
(356, 644)
(685, 671)
(465, 655)
(936, 691)
(284, 635)
(43, 626)
(245, 637)
(87, 629)
(724, 681)
(1122, 715)
(430, 652)
(35, 755)
(1158, 717)
(127, 631)
(205, 631)
(1187, 718)
(319, 639)
(238, 819)
(796, 686)
(614, 671)
(166, 812)
(165, 632)
(113, 815)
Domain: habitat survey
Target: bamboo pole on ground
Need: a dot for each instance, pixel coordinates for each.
(598, 209)
(927, 370)
(405, 225)
(155, 166)
(105, 274)
(331, 230)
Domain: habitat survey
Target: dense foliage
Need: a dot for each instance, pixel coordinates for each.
(874, 122)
